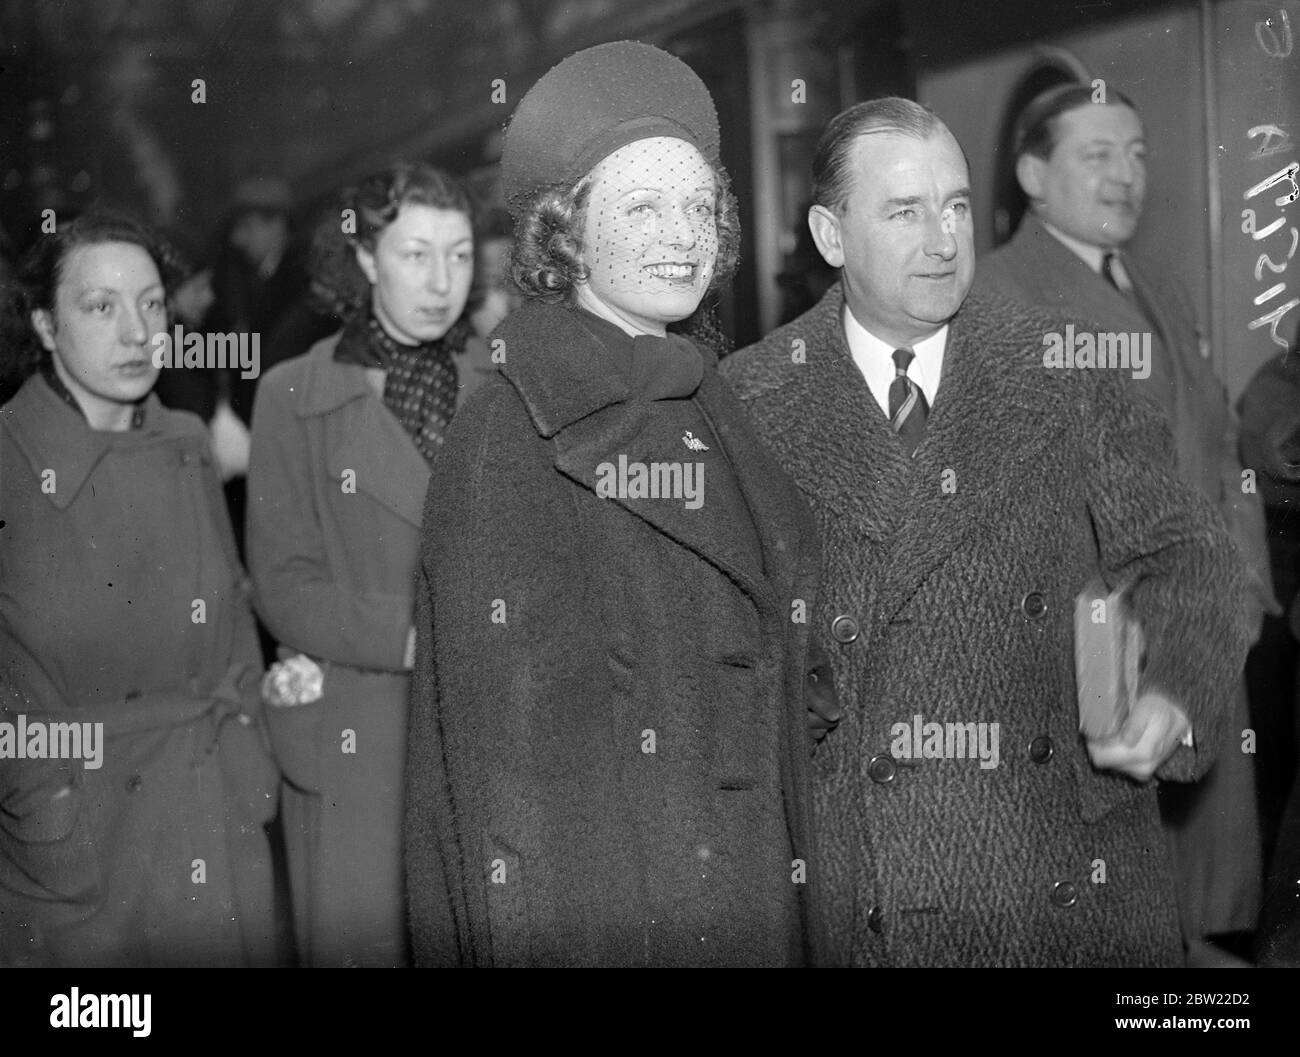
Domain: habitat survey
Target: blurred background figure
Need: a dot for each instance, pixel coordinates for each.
(1270, 443)
(122, 603)
(806, 276)
(1081, 161)
(343, 438)
(495, 294)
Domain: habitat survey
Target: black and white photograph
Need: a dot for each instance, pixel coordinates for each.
(676, 484)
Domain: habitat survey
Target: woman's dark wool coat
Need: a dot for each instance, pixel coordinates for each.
(958, 570)
(559, 632)
(122, 602)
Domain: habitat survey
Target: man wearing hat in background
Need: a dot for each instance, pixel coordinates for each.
(965, 494)
(1081, 160)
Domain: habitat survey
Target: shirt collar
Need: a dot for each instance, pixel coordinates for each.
(875, 359)
(1091, 255)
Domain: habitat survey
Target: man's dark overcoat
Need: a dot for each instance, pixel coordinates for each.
(948, 593)
(1214, 824)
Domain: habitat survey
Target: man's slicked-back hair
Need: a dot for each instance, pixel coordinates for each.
(832, 170)
(1037, 125)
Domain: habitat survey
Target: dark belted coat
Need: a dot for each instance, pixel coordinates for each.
(614, 770)
(336, 489)
(948, 592)
(122, 602)
(1214, 824)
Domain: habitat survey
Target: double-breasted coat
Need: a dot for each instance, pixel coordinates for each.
(1214, 824)
(609, 752)
(948, 594)
(123, 603)
(336, 489)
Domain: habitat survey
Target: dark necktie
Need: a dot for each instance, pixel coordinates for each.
(1133, 295)
(1108, 272)
(907, 406)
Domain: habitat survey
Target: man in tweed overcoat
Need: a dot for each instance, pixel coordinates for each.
(952, 556)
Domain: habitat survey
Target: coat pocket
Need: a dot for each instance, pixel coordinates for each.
(47, 849)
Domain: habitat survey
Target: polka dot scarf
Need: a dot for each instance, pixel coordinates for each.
(420, 382)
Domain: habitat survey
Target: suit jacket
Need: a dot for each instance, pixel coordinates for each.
(1036, 268)
(609, 762)
(948, 586)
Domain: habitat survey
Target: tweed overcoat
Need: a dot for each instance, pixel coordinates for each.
(336, 490)
(122, 602)
(1214, 824)
(948, 589)
(609, 758)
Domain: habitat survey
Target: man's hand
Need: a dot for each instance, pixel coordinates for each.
(1150, 735)
(824, 712)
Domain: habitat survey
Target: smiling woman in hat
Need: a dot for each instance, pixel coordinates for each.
(608, 755)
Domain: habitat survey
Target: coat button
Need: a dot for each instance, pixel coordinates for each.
(1034, 605)
(134, 783)
(1041, 749)
(876, 919)
(881, 769)
(1064, 894)
(844, 629)
(185, 458)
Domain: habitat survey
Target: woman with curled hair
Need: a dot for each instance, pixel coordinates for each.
(609, 747)
(132, 812)
(343, 438)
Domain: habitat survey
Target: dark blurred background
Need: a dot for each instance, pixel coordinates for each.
(97, 102)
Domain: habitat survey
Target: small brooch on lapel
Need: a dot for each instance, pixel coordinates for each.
(693, 442)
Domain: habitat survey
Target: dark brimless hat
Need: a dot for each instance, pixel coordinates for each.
(595, 102)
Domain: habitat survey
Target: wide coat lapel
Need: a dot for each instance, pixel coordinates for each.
(968, 459)
(837, 442)
(841, 449)
(363, 436)
(576, 398)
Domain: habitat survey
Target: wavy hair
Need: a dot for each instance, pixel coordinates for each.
(40, 271)
(337, 282)
(547, 262)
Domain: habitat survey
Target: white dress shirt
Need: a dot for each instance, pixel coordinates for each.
(875, 359)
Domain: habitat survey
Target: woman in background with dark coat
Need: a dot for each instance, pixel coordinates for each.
(609, 755)
(342, 441)
(122, 603)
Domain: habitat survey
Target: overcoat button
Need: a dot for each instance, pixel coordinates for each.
(1064, 894)
(185, 458)
(1034, 605)
(1041, 749)
(876, 919)
(881, 769)
(844, 629)
(134, 783)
